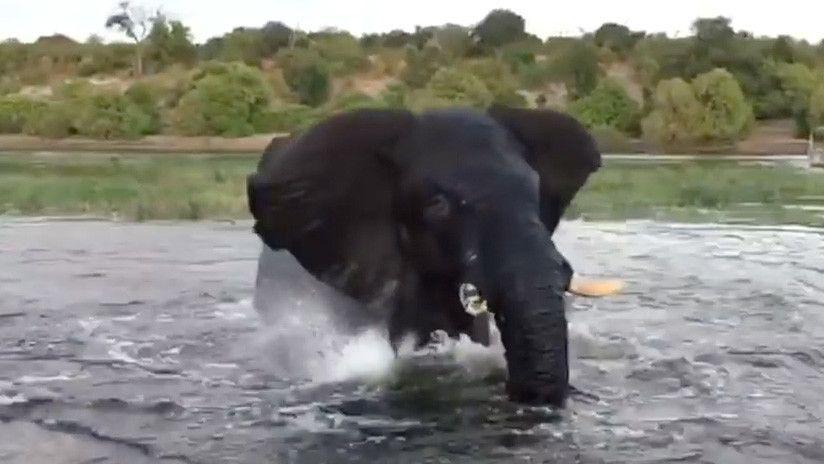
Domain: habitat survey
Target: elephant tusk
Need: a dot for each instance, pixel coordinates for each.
(594, 288)
(471, 300)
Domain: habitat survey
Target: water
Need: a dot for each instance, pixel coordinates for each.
(140, 343)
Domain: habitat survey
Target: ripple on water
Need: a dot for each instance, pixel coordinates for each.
(712, 354)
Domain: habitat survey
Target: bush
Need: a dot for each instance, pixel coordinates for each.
(459, 88)
(355, 100)
(396, 96)
(342, 53)
(111, 116)
(306, 74)
(578, 67)
(148, 99)
(611, 140)
(726, 114)
(608, 105)
(52, 120)
(421, 65)
(498, 78)
(224, 100)
(675, 117)
(287, 118)
(14, 112)
(815, 114)
(9, 85)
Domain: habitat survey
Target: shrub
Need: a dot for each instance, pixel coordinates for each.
(9, 85)
(287, 118)
(224, 100)
(421, 65)
(675, 117)
(76, 89)
(578, 67)
(396, 96)
(306, 74)
(726, 115)
(498, 78)
(52, 120)
(459, 88)
(14, 112)
(148, 99)
(111, 116)
(815, 114)
(355, 100)
(608, 105)
(611, 140)
(342, 53)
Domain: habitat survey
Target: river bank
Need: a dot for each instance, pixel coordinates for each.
(151, 186)
(772, 138)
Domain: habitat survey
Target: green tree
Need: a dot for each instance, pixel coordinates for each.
(726, 115)
(275, 35)
(223, 99)
(498, 28)
(617, 37)
(341, 52)
(608, 105)
(578, 67)
(421, 65)
(109, 115)
(135, 22)
(498, 78)
(815, 114)
(170, 42)
(306, 74)
(676, 115)
(455, 87)
(454, 40)
(781, 49)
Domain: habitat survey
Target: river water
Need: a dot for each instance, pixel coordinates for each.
(132, 343)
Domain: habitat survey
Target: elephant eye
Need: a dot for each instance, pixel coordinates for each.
(437, 208)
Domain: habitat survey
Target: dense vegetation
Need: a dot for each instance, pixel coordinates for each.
(708, 88)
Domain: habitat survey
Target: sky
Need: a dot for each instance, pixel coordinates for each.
(29, 19)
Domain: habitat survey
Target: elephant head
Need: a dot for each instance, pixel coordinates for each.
(367, 198)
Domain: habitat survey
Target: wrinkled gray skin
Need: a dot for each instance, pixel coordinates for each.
(398, 210)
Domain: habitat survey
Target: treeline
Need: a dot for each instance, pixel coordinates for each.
(707, 88)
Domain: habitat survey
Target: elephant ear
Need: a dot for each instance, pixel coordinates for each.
(559, 148)
(327, 198)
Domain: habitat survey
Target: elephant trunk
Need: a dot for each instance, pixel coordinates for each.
(529, 310)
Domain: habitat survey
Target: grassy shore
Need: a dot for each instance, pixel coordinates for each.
(192, 187)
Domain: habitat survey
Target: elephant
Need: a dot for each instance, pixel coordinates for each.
(400, 210)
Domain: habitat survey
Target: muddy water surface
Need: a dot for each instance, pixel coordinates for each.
(141, 343)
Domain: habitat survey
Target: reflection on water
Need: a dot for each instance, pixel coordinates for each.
(135, 343)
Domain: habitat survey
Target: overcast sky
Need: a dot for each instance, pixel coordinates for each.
(29, 19)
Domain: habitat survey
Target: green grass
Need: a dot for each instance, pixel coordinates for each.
(193, 187)
(138, 187)
(705, 190)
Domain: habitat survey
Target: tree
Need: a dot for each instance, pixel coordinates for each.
(226, 99)
(815, 114)
(726, 114)
(498, 28)
(782, 49)
(306, 74)
(454, 40)
(617, 37)
(275, 35)
(421, 65)
(675, 116)
(578, 66)
(169, 42)
(135, 22)
(608, 105)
